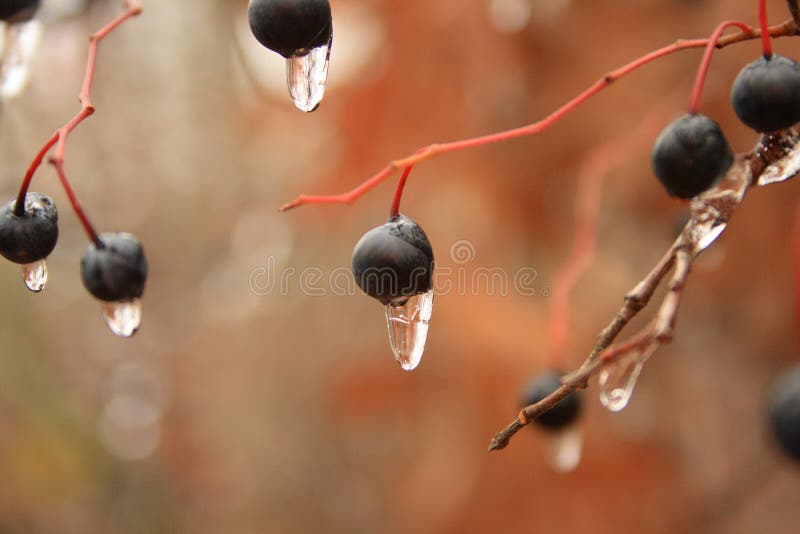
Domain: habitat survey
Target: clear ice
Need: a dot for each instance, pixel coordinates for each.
(35, 275)
(19, 47)
(618, 380)
(306, 75)
(408, 328)
(123, 318)
(565, 448)
(712, 210)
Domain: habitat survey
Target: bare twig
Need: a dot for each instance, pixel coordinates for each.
(789, 27)
(59, 138)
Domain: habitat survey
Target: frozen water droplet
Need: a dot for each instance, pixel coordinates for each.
(618, 380)
(712, 210)
(20, 43)
(565, 448)
(123, 318)
(408, 328)
(782, 150)
(35, 275)
(306, 75)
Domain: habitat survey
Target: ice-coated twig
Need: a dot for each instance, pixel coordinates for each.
(771, 152)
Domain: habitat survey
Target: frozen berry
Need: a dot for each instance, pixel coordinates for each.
(290, 27)
(766, 94)
(394, 261)
(115, 271)
(18, 10)
(784, 411)
(562, 414)
(31, 236)
(691, 155)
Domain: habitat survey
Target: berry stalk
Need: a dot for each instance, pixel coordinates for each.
(398, 195)
(766, 43)
(702, 71)
(59, 139)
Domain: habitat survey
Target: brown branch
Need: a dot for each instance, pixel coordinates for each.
(722, 202)
(59, 138)
(794, 9)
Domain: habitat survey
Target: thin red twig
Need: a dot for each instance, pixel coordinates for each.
(785, 29)
(766, 44)
(59, 138)
(702, 71)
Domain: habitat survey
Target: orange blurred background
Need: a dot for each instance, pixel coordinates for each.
(240, 407)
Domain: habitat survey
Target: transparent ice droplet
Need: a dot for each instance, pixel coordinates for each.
(786, 157)
(19, 47)
(618, 380)
(712, 210)
(35, 275)
(306, 75)
(123, 318)
(565, 448)
(408, 329)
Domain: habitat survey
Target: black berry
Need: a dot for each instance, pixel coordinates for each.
(766, 94)
(784, 411)
(18, 10)
(290, 27)
(394, 261)
(115, 271)
(691, 155)
(562, 414)
(31, 236)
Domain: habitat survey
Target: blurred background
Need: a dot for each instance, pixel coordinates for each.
(259, 398)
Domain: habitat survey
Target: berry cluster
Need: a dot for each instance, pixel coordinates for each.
(114, 268)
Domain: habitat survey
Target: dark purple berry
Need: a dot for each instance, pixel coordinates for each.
(766, 94)
(394, 261)
(691, 155)
(784, 411)
(562, 414)
(115, 271)
(31, 236)
(18, 10)
(290, 27)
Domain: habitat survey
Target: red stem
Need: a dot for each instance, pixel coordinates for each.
(697, 92)
(766, 43)
(787, 28)
(398, 195)
(59, 139)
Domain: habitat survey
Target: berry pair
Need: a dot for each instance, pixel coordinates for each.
(15, 11)
(691, 155)
(113, 268)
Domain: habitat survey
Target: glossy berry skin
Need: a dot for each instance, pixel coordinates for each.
(691, 155)
(31, 236)
(116, 271)
(784, 412)
(14, 11)
(290, 27)
(766, 94)
(562, 414)
(394, 261)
